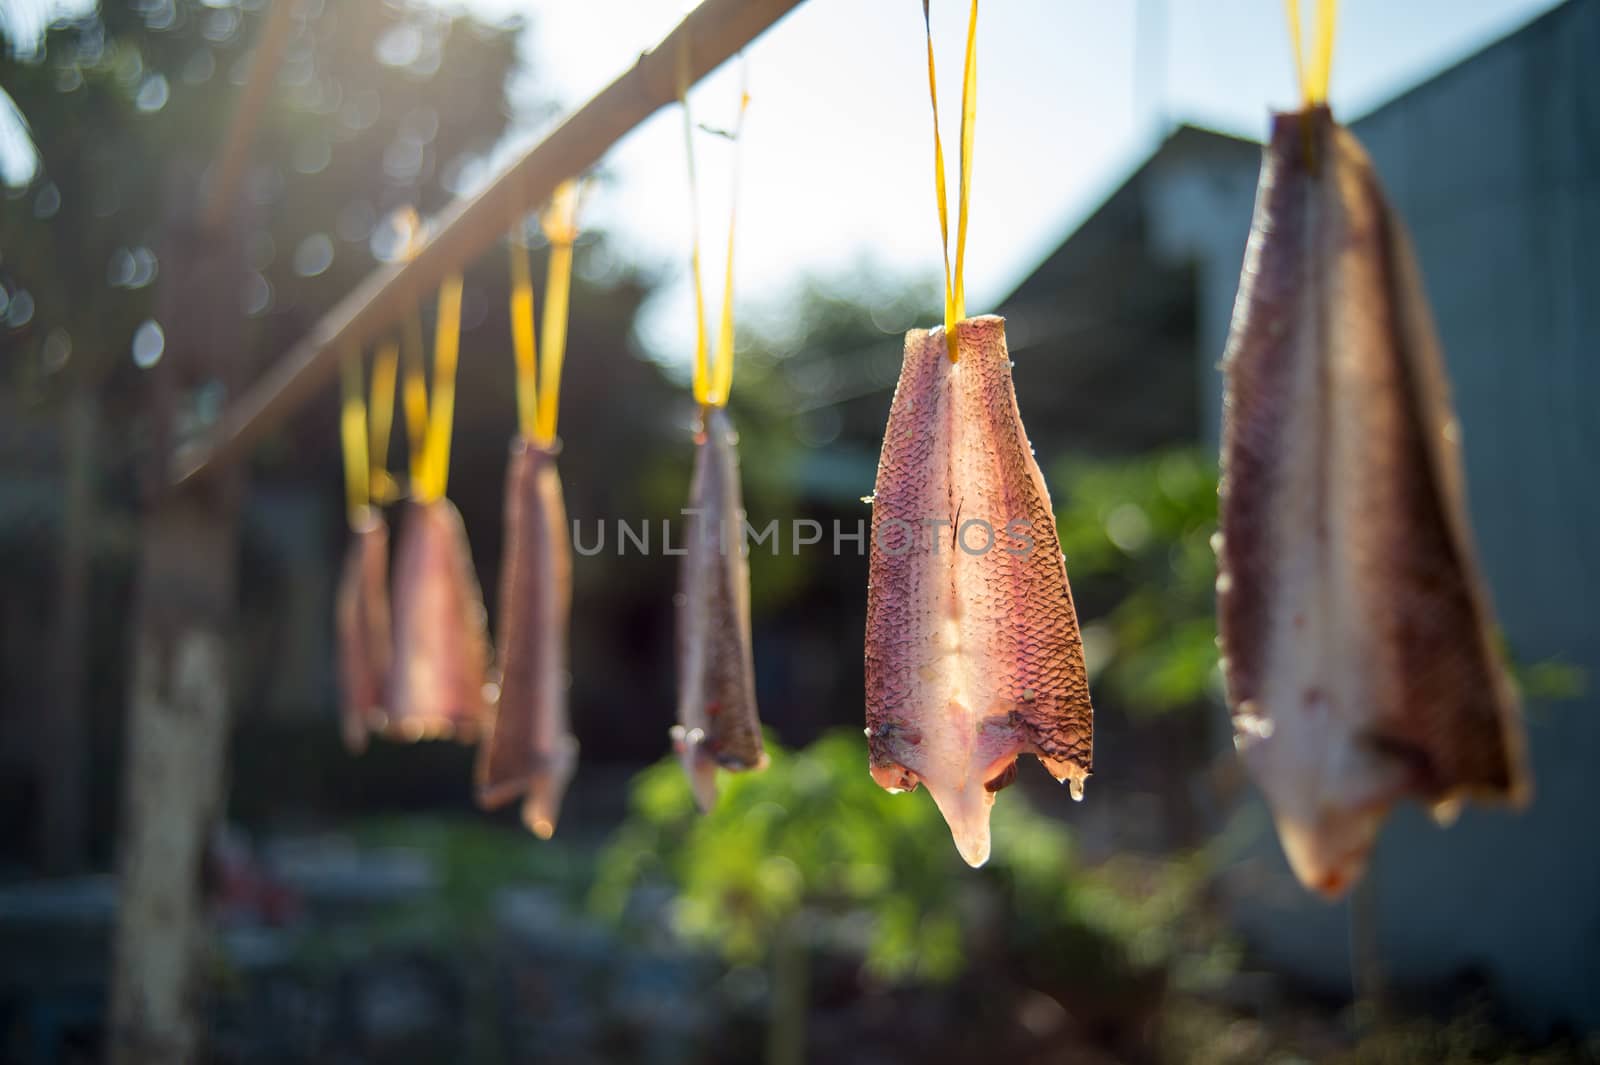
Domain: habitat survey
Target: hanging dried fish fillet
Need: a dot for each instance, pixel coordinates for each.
(973, 655)
(717, 720)
(441, 647)
(530, 750)
(1361, 657)
(362, 614)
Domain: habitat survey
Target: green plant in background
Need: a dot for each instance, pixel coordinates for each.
(1550, 680)
(812, 835)
(1137, 536)
(473, 862)
(812, 854)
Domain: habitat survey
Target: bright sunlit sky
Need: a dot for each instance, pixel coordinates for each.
(837, 147)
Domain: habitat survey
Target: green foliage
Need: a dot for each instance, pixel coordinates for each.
(1136, 534)
(814, 838)
(811, 831)
(472, 863)
(1551, 680)
(475, 860)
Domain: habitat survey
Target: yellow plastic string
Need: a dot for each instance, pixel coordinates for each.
(713, 371)
(353, 437)
(560, 223)
(381, 420)
(702, 369)
(950, 315)
(442, 406)
(414, 389)
(1292, 10)
(1315, 76)
(722, 375)
(969, 124)
(416, 402)
(1322, 70)
(522, 341)
(955, 289)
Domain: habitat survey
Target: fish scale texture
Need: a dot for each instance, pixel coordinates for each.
(973, 655)
(530, 750)
(1358, 641)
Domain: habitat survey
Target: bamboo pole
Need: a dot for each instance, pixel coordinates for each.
(712, 33)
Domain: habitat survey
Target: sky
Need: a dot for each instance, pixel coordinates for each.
(837, 152)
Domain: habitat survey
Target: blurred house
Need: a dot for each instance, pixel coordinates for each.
(1115, 311)
(1495, 165)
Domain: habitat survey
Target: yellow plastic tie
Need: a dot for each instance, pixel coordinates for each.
(955, 289)
(1296, 45)
(1314, 77)
(413, 359)
(381, 420)
(722, 377)
(560, 223)
(969, 125)
(416, 403)
(950, 316)
(522, 341)
(446, 347)
(713, 371)
(353, 437)
(1322, 70)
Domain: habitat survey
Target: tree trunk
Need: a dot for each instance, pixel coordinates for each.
(175, 767)
(64, 783)
(175, 758)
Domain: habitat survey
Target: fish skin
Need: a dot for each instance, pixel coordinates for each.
(972, 657)
(362, 620)
(530, 750)
(1360, 654)
(718, 724)
(441, 643)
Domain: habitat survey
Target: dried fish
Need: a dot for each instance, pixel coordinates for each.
(717, 720)
(441, 644)
(362, 616)
(972, 655)
(530, 750)
(1360, 650)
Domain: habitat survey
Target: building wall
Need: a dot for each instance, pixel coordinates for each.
(1102, 332)
(1495, 165)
